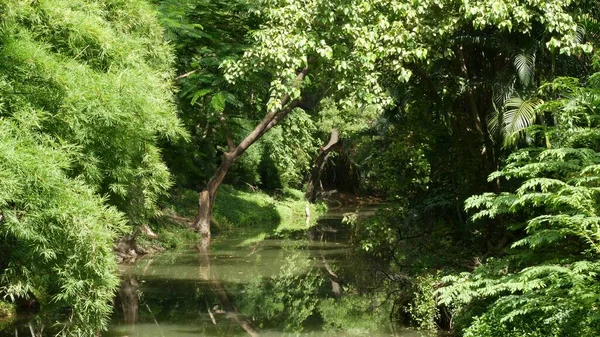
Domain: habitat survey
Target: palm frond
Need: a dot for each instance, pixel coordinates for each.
(590, 26)
(493, 121)
(519, 115)
(501, 92)
(580, 34)
(524, 63)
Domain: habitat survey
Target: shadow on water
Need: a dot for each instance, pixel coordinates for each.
(292, 285)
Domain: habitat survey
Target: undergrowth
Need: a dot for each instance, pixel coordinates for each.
(254, 215)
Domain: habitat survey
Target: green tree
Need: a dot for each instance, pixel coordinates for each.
(301, 49)
(205, 33)
(85, 95)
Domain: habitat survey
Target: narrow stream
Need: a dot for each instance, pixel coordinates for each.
(297, 284)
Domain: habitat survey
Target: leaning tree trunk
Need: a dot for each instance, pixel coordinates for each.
(315, 175)
(206, 200)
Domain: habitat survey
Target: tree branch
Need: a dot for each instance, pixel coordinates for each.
(271, 118)
(334, 139)
(281, 115)
(228, 135)
(185, 75)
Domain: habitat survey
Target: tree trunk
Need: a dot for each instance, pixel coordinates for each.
(478, 117)
(315, 175)
(208, 195)
(206, 201)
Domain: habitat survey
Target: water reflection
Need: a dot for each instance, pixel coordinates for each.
(300, 285)
(296, 285)
(209, 275)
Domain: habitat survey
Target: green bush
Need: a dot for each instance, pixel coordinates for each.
(7, 311)
(97, 76)
(547, 282)
(355, 314)
(60, 232)
(85, 95)
(423, 309)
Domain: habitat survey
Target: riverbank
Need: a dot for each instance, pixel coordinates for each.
(258, 214)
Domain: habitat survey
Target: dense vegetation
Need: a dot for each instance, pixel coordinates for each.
(85, 96)
(477, 121)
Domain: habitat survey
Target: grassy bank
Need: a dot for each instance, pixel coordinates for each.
(247, 216)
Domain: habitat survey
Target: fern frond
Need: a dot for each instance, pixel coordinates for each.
(543, 184)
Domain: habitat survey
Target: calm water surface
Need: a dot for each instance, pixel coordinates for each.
(297, 284)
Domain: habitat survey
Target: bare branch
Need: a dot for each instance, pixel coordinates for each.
(185, 75)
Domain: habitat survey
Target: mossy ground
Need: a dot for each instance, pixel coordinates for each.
(248, 216)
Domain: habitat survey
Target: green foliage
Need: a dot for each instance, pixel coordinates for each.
(173, 233)
(519, 115)
(8, 314)
(7, 311)
(289, 294)
(204, 33)
(249, 168)
(403, 170)
(97, 76)
(547, 285)
(260, 211)
(60, 232)
(349, 121)
(244, 209)
(423, 309)
(488, 326)
(85, 95)
(290, 148)
(296, 34)
(355, 314)
(378, 233)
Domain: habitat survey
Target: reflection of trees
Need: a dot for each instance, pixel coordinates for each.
(289, 298)
(358, 308)
(289, 301)
(319, 233)
(336, 288)
(208, 275)
(355, 314)
(129, 299)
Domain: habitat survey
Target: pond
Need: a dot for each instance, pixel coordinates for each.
(295, 284)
